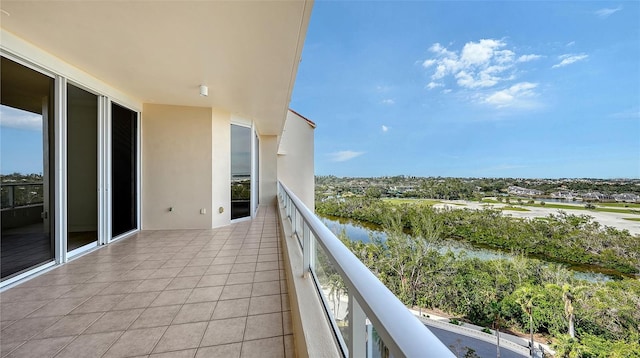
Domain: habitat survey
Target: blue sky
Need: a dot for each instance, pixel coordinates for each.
(20, 141)
(481, 89)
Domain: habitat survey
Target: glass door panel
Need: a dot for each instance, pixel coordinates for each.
(124, 173)
(82, 168)
(26, 168)
(240, 171)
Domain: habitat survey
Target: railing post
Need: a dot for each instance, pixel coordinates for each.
(369, 339)
(357, 329)
(306, 249)
(10, 195)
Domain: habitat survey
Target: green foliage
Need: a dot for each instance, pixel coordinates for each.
(506, 293)
(566, 238)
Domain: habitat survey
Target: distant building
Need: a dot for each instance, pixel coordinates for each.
(626, 197)
(516, 190)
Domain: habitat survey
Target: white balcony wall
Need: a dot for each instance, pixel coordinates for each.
(177, 166)
(296, 159)
(268, 169)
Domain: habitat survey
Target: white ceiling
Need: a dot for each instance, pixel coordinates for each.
(246, 52)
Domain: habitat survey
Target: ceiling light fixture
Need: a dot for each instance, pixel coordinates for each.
(204, 90)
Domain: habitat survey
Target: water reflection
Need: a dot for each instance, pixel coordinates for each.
(365, 232)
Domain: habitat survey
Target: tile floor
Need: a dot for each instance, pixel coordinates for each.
(186, 293)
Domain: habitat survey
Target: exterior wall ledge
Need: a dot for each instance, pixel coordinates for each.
(312, 334)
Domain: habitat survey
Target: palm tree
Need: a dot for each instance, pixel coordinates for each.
(526, 296)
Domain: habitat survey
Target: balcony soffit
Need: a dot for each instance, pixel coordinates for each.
(246, 52)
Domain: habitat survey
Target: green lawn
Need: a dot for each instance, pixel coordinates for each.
(620, 205)
(632, 219)
(398, 201)
(633, 209)
(514, 208)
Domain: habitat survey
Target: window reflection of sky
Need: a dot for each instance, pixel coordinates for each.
(240, 151)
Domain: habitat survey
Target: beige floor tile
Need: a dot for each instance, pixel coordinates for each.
(271, 275)
(212, 280)
(137, 300)
(13, 311)
(265, 304)
(40, 348)
(136, 342)
(181, 336)
(170, 272)
(183, 283)
(204, 294)
(268, 347)
(194, 312)
(26, 328)
(6, 348)
(114, 321)
(246, 259)
(266, 288)
(224, 331)
(218, 269)
(287, 323)
(231, 308)
(222, 351)
(243, 277)
(193, 271)
(154, 284)
(187, 353)
(263, 326)
(98, 304)
(243, 267)
(285, 302)
(267, 266)
(221, 260)
(120, 287)
(58, 307)
(86, 289)
(173, 297)
(89, 345)
(156, 316)
(289, 347)
(236, 291)
(70, 325)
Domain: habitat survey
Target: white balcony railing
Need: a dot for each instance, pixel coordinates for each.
(363, 313)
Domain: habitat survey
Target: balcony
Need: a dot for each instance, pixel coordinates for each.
(204, 293)
(220, 292)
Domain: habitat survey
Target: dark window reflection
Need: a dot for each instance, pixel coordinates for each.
(240, 171)
(124, 190)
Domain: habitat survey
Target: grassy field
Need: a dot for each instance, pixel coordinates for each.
(633, 209)
(620, 205)
(398, 201)
(514, 208)
(632, 219)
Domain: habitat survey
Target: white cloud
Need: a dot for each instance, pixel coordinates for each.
(606, 12)
(344, 155)
(571, 43)
(568, 59)
(445, 91)
(385, 128)
(388, 101)
(527, 58)
(18, 119)
(517, 95)
(479, 64)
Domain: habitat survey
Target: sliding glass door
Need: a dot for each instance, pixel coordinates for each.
(240, 171)
(82, 168)
(26, 168)
(124, 170)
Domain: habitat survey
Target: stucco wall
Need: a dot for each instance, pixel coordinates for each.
(268, 168)
(176, 167)
(296, 159)
(221, 167)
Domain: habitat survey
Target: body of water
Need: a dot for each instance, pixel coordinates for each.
(365, 232)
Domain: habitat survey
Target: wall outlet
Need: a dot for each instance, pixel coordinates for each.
(203, 211)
